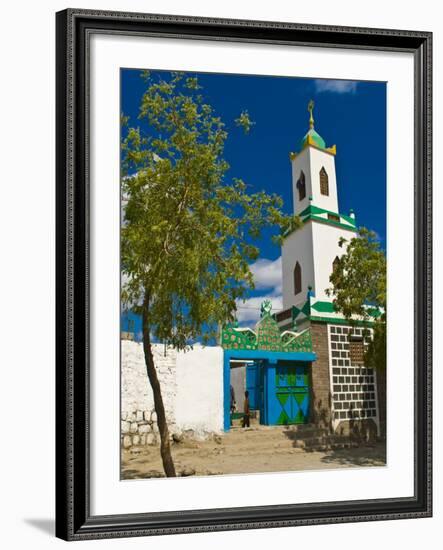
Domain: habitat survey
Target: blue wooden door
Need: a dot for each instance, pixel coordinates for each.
(291, 394)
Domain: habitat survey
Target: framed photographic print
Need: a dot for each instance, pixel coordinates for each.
(243, 274)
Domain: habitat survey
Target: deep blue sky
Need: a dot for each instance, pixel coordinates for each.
(349, 114)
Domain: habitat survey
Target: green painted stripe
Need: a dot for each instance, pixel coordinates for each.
(324, 307)
(331, 222)
(312, 209)
(306, 309)
(325, 221)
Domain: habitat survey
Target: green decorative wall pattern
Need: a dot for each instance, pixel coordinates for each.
(267, 336)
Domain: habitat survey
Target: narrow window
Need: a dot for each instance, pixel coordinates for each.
(334, 218)
(301, 186)
(335, 263)
(324, 182)
(297, 278)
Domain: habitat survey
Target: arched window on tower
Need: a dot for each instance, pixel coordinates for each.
(301, 186)
(324, 182)
(335, 263)
(297, 278)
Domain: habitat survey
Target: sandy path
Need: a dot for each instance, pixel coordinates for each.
(246, 451)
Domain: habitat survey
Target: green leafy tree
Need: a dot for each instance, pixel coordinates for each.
(359, 276)
(359, 291)
(189, 232)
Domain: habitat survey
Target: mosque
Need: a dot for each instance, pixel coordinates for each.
(332, 386)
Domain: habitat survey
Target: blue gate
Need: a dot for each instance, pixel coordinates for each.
(278, 385)
(254, 385)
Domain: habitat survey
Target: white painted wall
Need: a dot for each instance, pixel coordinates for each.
(325, 248)
(300, 164)
(199, 399)
(297, 247)
(191, 383)
(310, 161)
(315, 247)
(319, 159)
(238, 382)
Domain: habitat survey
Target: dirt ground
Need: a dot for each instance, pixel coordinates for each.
(250, 450)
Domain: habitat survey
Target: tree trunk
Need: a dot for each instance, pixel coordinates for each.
(165, 448)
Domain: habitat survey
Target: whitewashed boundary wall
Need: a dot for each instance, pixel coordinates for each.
(192, 389)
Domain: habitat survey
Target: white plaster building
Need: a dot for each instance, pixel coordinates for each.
(343, 389)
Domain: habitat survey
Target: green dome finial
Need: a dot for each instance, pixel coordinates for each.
(312, 137)
(311, 116)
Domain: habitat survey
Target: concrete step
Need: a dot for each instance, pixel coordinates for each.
(306, 430)
(331, 442)
(294, 438)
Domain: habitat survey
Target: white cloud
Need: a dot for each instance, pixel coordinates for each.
(268, 274)
(336, 86)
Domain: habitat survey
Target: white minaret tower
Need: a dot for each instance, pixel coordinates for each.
(308, 253)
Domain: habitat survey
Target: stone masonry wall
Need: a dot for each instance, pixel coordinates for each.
(320, 379)
(138, 417)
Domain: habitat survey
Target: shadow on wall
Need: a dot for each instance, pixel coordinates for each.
(320, 415)
(361, 430)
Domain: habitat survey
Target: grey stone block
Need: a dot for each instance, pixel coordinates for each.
(134, 428)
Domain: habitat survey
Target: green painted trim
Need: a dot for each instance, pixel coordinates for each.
(305, 310)
(324, 307)
(295, 312)
(373, 312)
(331, 222)
(348, 219)
(287, 327)
(325, 221)
(312, 209)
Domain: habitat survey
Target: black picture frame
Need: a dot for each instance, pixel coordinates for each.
(74, 28)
